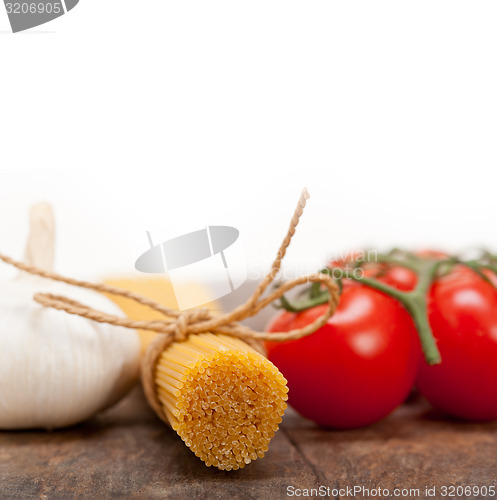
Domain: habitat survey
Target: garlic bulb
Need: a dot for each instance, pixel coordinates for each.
(57, 369)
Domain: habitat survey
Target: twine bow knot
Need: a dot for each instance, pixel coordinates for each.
(181, 327)
(177, 326)
(184, 320)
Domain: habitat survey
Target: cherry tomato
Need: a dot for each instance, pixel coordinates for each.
(429, 253)
(403, 278)
(399, 277)
(463, 317)
(357, 368)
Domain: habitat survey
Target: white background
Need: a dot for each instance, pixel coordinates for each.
(166, 116)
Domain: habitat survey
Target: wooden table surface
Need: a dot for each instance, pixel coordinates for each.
(127, 452)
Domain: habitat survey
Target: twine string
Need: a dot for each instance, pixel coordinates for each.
(178, 325)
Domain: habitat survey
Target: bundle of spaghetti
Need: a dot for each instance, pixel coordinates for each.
(223, 398)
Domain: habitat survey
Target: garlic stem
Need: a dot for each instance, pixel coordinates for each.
(40, 248)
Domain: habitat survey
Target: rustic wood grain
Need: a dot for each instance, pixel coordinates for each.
(128, 453)
(414, 448)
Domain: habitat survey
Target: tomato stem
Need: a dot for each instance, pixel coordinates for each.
(302, 305)
(415, 301)
(388, 259)
(416, 304)
(378, 285)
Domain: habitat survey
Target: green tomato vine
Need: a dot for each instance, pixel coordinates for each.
(415, 301)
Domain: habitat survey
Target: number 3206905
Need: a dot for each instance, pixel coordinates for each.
(468, 491)
(34, 8)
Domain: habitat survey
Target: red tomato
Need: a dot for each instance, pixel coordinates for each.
(432, 254)
(357, 368)
(491, 276)
(463, 316)
(400, 278)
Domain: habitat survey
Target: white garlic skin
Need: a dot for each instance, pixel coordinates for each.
(58, 369)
